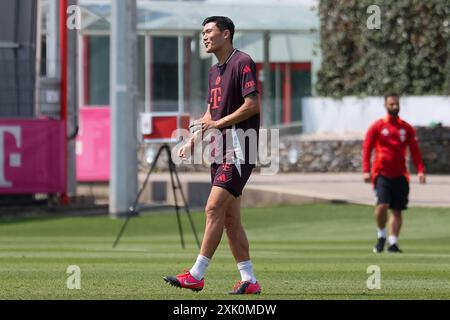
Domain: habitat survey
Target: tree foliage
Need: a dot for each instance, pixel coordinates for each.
(409, 53)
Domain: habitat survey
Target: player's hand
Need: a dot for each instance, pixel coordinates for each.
(209, 124)
(422, 178)
(195, 125)
(367, 177)
(185, 150)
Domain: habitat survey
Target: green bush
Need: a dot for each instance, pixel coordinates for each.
(409, 54)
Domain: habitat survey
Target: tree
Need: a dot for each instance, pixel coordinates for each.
(409, 53)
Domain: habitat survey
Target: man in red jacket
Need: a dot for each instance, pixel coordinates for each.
(390, 136)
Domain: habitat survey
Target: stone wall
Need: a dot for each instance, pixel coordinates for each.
(309, 153)
(434, 143)
(319, 153)
(341, 153)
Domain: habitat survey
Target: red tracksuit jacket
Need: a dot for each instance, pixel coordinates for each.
(390, 136)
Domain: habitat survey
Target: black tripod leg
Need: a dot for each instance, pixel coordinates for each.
(180, 229)
(132, 210)
(119, 235)
(186, 208)
(171, 170)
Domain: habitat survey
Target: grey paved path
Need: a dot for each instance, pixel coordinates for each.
(347, 187)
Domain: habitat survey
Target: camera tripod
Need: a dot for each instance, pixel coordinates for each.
(132, 211)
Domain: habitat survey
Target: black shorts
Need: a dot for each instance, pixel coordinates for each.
(393, 191)
(227, 176)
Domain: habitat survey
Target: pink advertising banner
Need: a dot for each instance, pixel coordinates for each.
(92, 146)
(31, 156)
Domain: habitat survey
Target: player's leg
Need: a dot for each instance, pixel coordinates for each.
(381, 211)
(237, 239)
(383, 194)
(238, 242)
(399, 203)
(218, 201)
(381, 215)
(395, 224)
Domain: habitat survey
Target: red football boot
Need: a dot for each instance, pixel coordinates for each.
(246, 287)
(185, 280)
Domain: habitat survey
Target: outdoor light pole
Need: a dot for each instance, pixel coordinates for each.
(180, 77)
(52, 40)
(267, 108)
(72, 106)
(123, 91)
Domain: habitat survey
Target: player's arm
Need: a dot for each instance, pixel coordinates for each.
(248, 109)
(416, 156)
(248, 80)
(188, 147)
(195, 137)
(368, 145)
(197, 123)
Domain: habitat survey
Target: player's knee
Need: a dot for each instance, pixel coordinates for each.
(383, 206)
(228, 226)
(397, 213)
(213, 210)
(231, 224)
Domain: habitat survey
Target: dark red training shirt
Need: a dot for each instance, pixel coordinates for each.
(228, 85)
(390, 137)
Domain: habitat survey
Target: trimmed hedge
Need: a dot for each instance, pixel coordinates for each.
(409, 54)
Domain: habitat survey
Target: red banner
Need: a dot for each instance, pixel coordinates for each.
(31, 156)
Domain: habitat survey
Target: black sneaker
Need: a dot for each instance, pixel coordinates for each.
(394, 249)
(379, 247)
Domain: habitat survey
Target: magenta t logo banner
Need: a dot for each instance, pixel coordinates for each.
(31, 156)
(14, 158)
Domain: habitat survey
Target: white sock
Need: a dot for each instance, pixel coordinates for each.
(198, 270)
(381, 233)
(246, 270)
(392, 240)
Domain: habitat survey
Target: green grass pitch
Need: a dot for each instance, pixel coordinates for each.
(313, 251)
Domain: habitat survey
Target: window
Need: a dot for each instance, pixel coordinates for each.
(96, 71)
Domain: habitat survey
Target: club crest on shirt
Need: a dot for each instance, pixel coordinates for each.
(385, 132)
(218, 80)
(402, 133)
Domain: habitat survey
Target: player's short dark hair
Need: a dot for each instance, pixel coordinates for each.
(391, 94)
(223, 23)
